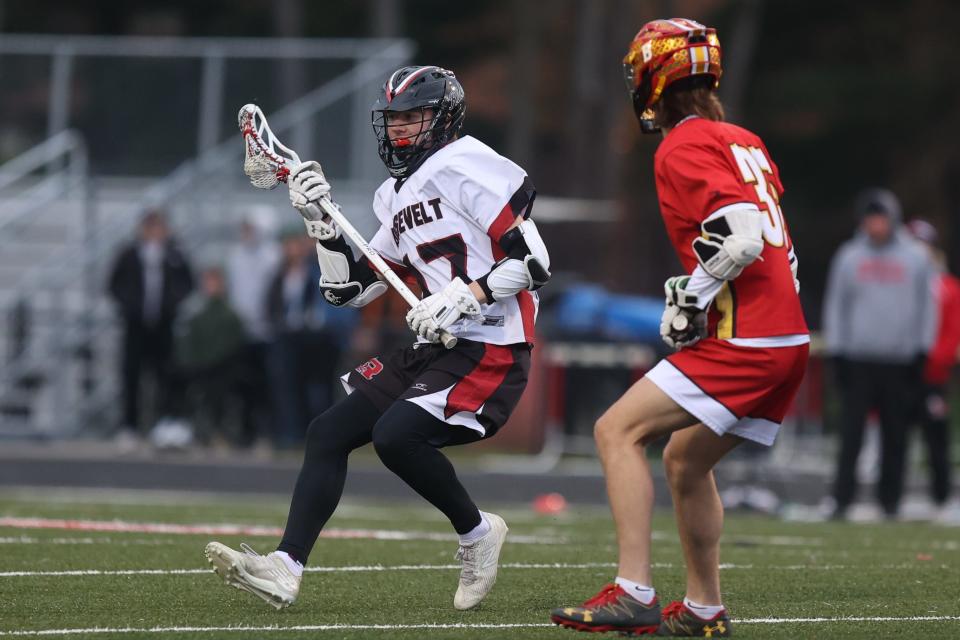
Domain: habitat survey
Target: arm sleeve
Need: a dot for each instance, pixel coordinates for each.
(704, 285)
(835, 298)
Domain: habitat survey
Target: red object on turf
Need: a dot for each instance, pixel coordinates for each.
(549, 503)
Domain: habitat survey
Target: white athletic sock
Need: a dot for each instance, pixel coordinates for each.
(703, 611)
(295, 567)
(477, 532)
(637, 591)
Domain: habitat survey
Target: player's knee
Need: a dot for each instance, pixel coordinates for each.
(390, 444)
(323, 436)
(610, 433)
(672, 466)
(316, 439)
(681, 474)
(604, 431)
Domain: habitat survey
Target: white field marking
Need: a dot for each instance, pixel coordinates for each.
(402, 627)
(240, 530)
(140, 497)
(784, 541)
(377, 568)
(98, 572)
(61, 541)
(759, 540)
(373, 568)
(246, 629)
(846, 619)
(356, 509)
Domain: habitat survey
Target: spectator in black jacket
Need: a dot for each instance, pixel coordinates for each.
(305, 351)
(149, 280)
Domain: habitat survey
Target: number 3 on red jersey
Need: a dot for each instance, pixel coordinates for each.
(754, 167)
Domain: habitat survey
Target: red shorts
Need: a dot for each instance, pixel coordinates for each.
(745, 391)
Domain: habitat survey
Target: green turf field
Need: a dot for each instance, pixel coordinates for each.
(900, 580)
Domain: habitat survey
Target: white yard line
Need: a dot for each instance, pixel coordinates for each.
(402, 627)
(230, 529)
(120, 542)
(120, 526)
(373, 568)
(378, 568)
(247, 629)
(847, 619)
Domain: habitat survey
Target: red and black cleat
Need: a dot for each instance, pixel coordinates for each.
(680, 622)
(613, 609)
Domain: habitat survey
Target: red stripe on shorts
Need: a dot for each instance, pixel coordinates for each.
(527, 313)
(472, 391)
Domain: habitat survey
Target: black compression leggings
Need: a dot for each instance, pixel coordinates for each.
(406, 438)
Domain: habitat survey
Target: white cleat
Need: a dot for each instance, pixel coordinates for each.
(479, 564)
(266, 577)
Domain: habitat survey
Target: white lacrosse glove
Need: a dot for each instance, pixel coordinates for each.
(308, 186)
(440, 310)
(323, 229)
(683, 322)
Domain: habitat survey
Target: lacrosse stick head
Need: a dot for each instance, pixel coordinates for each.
(267, 162)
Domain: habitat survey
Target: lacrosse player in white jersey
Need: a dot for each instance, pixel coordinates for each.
(455, 220)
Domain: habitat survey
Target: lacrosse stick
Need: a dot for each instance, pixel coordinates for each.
(268, 162)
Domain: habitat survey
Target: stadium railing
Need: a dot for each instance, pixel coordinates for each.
(59, 331)
(47, 315)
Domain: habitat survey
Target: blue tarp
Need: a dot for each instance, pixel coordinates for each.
(592, 310)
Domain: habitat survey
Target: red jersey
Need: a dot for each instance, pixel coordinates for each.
(943, 355)
(703, 166)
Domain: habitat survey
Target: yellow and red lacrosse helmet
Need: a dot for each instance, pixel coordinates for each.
(664, 51)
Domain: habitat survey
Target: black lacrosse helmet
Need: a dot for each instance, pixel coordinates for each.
(418, 88)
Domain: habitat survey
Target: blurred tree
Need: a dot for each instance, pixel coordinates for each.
(844, 94)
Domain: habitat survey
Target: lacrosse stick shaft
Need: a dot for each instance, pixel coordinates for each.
(448, 339)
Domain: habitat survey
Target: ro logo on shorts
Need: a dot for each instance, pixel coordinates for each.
(370, 368)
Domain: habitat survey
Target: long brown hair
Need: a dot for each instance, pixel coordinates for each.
(690, 96)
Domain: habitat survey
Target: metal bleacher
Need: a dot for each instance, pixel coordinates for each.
(60, 227)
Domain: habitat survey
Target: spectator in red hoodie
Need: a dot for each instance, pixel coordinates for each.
(934, 411)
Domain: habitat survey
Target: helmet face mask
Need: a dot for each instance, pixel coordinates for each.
(406, 128)
(398, 151)
(662, 52)
(435, 95)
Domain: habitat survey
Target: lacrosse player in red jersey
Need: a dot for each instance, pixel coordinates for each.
(455, 219)
(734, 318)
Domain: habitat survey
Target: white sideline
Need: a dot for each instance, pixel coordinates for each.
(120, 526)
(375, 568)
(401, 627)
(846, 619)
(232, 529)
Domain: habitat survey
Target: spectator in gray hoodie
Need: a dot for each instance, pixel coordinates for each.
(879, 323)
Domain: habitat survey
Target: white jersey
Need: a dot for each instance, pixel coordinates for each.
(446, 219)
